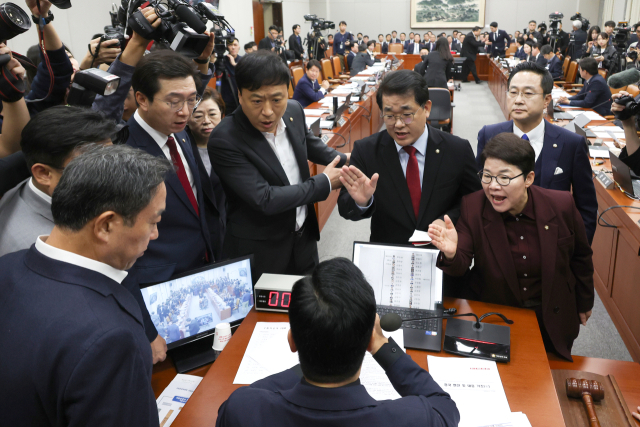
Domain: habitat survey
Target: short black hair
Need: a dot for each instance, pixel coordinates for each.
(314, 63)
(403, 33)
(494, 24)
(274, 27)
(115, 178)
(361, 47)
(403, 82)
(295, 26)
(604, 35)
(532, 21)
(359, 34)
(380, 35)
(536, 46)
(610, 24)
(261, 68)
(249, 45)
(476, 29)
(342, 22)
(332, 314)
(162, 64)
(52, 135)
(546, 49)
(520, 41)
(394, 31)
(636, 26)
(590, 65)
(511, 149)
(371, 42)
(546, 80)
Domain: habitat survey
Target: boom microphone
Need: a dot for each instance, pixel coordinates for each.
(189, 17)
(391, 321)
(624, 78)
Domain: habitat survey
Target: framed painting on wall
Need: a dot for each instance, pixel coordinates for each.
(447, 13)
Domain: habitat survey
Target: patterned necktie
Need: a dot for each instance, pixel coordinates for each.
(182, 174)
(413, 179)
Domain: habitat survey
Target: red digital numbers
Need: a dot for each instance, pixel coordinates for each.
(286, 299)
(273, 299)
(275, 296)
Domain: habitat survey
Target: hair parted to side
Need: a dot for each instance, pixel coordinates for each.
(261, 68)
(162, 64)
(512, 150)
(403, 82)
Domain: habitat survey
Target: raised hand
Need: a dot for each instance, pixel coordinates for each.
(444, 238)
(360, 187)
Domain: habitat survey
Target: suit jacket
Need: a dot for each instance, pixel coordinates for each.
(407, 43)
(470, 46)
(453, 47)
(409, 48)
(563, 164)
(360, 62)
(431, 46)
(520, 54)
(555, 68)
(497, 40)
(75, 344)
(24, 216)
(350, 57)
(536, 34)
(580, 37)
(290, 401)
(567, 268)
(449, 174)
(13, 170)
(183, 235)
(265, 44)
(384, 48)
(261, 202)
(540, 60)
(295, 46)
(307, 92)
(438, 70)
(594, 94)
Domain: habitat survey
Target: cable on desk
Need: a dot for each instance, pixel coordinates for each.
(608, 209)
(345, 139)
(367, 117)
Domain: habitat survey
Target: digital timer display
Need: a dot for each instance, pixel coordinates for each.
(273, 292)
(275, 300)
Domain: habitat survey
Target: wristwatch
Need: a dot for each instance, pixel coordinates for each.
(46, 20)
(201, 61)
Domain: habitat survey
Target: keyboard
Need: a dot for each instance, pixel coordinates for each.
(412, 313)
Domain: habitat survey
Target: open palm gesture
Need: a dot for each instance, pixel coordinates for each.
(360, 187)
(445, 238)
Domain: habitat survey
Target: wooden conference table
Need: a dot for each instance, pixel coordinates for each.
(411, 60)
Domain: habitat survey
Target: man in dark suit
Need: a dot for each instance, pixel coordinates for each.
(295, 42)
(308, 90)
(384, 46)
(415, 46)
(260, 153)
(580, 40)
(562, 162)
(352, 54)
(520, 53)
(431, 45)
(469, 52)
(497, 40)
(528, 245)
(361, 61)
(324, 389)
(394, 37)
(536, 56)
(553, 62)
(595, 93)
(165, 85)
(424, 171)
(269, 42)
(74, 349)
(532, 33)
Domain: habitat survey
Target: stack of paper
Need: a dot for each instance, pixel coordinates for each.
(328, 101)
(310, 112)
(175, 396)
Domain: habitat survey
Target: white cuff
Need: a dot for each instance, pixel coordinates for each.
(330, 189)
(323, 90)
(362, 209)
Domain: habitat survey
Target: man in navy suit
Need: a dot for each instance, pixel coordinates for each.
(414, 47)
(520, 52)
(308, 90)
(497, 40)
(165, 86)
(536, 55)
(562, 161)
(74, 349)
(595, 93)
(324, 389)
(553, 62)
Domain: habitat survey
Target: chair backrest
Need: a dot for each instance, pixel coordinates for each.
(614, 91)
(396, 48)
(346, 64)
(512, 49)
(327, 70)
(565, 66)
(329, 52)
(571, 74)
(297, 73)
(337, 69)
(291, 89)
(377, 48)
(633, 90)
(603, 73)
(440, 104)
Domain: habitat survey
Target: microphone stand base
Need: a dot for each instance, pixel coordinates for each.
(491, 342)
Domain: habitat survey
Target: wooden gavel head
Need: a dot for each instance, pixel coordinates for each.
(579, 387)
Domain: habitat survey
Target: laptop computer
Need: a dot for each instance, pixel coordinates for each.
(331, 121)
(557, 115)
(622, 175)
(405, 281)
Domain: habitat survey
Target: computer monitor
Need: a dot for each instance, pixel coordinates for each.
(187, 308)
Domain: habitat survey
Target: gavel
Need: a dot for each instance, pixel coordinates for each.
(589, 391)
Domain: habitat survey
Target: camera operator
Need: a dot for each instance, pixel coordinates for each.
(269, 42)
(633, 50)
(579, 37)
(295, 43)
(630, 154)
(15, 115)
(107, 52)
(228, 86)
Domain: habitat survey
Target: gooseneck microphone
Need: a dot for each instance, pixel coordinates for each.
(392, 322)
(624, 78)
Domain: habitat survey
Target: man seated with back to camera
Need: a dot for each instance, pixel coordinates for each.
(333, 323)
(595, 93)
(73, 340)
(309, 90)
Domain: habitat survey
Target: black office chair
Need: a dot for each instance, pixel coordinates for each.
(441, 116)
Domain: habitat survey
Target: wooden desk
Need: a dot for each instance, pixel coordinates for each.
(498, 85)
(527, 378)
(411, 60)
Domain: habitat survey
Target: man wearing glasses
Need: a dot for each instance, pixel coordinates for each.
(562, 162)
(165, 86)
(418, 173)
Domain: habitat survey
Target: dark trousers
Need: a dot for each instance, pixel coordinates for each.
(469, 65)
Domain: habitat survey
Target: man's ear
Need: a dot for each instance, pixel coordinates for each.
(292, 344)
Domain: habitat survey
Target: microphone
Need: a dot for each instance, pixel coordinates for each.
(391, 321)
(187, 16)
(624, 78)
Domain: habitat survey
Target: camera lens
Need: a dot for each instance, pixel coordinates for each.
(13, 21)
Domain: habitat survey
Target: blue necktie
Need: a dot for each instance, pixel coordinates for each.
(525, 137)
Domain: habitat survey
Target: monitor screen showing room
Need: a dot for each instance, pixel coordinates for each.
(189, 306)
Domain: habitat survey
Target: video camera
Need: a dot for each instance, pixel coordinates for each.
(319, 24)
(632, 108)
(621, 35)
(578, 17)
(554, 21)
(88, 83)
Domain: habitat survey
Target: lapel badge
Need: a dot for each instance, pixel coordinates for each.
(437, 151)
(555, 145)
(290, 119)
(546, 227)
(183, 140)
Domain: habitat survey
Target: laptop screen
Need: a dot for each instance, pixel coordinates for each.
(401, 275)
(190, 305)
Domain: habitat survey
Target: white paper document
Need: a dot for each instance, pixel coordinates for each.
(473, 384)
(595, 153)
(373, 377)
(175, 396)
(613, 129)
(512, 419)
(420, 237)
(606, 135)
(310, 112)
(592, 115)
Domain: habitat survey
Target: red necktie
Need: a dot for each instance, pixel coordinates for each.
(182, 174)
(413, 179)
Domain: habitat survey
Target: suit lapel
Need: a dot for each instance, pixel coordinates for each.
(390, 152)
(551, 150)
(548, 235)
(432, 160)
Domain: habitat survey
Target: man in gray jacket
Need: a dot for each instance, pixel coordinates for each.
(361, 60)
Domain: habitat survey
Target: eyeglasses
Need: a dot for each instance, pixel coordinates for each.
(407, 118)
(502, 180)
(192, 103)
(526, 94)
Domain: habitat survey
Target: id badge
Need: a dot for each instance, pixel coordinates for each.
(342, 45)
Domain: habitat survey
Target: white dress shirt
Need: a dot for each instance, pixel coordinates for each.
(161, 140)
(44, 196)
(75, 259)
(536, 137)
(416, 48)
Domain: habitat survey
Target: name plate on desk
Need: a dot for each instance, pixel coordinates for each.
(325, 138)
(606, 181)
(353, 109)
(341, 122)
